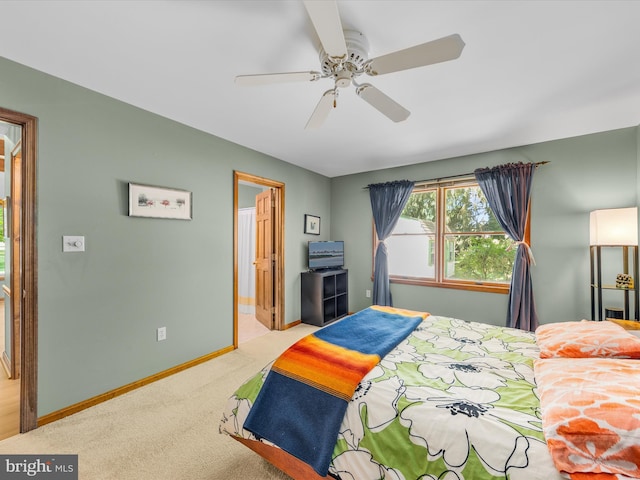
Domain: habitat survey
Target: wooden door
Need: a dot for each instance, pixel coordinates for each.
(265, 258)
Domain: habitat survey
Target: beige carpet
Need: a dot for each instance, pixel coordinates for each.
(166, 430)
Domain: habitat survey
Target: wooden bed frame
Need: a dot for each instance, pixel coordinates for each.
(282, 460)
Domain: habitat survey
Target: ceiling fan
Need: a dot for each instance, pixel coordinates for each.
(344, 57)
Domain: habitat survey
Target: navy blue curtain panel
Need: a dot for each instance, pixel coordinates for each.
(508, 190)
(387, 202)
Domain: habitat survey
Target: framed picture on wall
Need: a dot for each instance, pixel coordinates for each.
(159, 202)
(311, 224)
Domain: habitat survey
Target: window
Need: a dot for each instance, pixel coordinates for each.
(447, 236)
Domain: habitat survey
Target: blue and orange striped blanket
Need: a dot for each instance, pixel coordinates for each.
(304, 397)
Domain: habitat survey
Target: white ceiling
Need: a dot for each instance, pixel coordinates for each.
(531, 71)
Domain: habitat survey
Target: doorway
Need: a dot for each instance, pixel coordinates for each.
(20, 284)
(266, 268)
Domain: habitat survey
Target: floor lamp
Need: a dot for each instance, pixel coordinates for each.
(614, 227)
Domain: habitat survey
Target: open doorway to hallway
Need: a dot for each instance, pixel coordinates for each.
(258, 256)
(249, 326)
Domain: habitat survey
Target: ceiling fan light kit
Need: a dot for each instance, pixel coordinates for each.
(344, 57)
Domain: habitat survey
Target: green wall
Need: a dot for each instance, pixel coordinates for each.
(99, 310)
(586, 173)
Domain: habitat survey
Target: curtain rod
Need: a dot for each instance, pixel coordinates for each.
(462, 175)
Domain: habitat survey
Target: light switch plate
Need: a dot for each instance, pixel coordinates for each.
(73, 243)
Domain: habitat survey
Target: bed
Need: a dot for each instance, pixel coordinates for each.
(448, 400)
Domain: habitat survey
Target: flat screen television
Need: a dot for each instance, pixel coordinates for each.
(327, 254)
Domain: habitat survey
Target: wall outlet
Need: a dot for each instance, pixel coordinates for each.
(161, 334)
(367, 293)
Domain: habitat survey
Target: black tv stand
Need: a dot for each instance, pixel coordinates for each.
(324, 296)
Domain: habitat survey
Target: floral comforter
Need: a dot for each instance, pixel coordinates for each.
(455, 400)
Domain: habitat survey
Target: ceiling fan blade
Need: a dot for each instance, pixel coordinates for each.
(436, 51)
(269, 78)
(382, 102)
(326, 20)
(320, 114)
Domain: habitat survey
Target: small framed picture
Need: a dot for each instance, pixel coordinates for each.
(311, 224)
(159, 202)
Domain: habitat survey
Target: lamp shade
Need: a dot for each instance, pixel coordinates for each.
(614, 226)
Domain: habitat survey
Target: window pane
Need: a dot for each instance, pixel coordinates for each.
(467, 210)
(411, 246)
(411, 255)
(422, 206)
(479, 258)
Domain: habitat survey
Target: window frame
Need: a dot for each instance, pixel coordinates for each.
(440, 187)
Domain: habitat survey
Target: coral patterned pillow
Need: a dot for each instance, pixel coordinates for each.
(591, 415)
(586, 339)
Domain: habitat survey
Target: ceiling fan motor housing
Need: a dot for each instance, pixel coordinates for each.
(357, 56)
